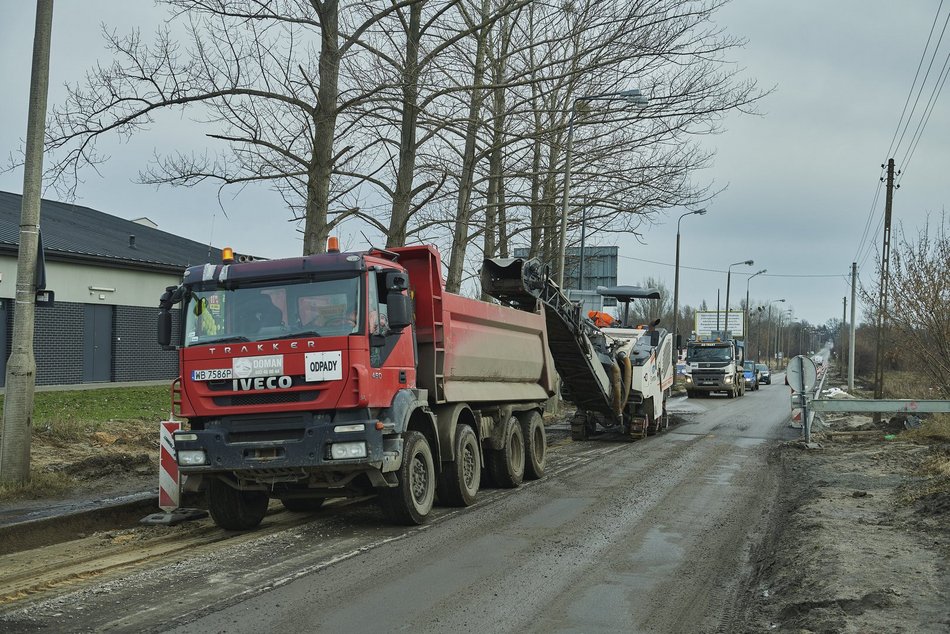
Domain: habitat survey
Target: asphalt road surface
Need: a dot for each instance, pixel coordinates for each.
(648, 536)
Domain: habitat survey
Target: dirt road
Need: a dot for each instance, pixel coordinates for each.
(646, 536)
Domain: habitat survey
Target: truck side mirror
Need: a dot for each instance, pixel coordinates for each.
(164, 328)
(170, 297)
(397, 281)
(399, 310)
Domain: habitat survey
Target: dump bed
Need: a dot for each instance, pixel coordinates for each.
(470, 350)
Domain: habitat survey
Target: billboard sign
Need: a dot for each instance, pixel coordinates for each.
(706, 323)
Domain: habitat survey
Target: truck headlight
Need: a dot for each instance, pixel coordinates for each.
(191, 457)
(346, 450)
(728, 380)
(689, 379)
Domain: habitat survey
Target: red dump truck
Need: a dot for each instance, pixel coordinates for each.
(344, 374)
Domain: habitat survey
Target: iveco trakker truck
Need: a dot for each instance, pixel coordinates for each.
(344, 374)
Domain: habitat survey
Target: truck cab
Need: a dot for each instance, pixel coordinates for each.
(714, 365)
(291, 375)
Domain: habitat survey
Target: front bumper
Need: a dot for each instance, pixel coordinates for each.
(298, 441)
(708, 382)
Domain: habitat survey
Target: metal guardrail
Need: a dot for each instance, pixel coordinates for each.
(898, 406)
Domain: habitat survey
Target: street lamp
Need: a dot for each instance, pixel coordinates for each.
(676, 280)
(748, 323)
(633, 97)
(768, 333)
(728, 282)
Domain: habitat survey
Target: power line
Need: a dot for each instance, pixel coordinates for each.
(695, 268)
(871, 244)
(867, 225)
(923, 55)
(925, 118)
(922, 83)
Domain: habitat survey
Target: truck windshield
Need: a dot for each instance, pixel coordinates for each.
(712, 353)
(276, 311)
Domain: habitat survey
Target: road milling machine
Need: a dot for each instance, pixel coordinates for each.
(619, 377)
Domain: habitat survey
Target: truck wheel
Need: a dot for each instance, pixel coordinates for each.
(459, 480)
(235, 510)
(506, 465)
(535, 445)
(302, 505)
(410, 501)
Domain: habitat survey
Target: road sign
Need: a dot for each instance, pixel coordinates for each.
(802, 374)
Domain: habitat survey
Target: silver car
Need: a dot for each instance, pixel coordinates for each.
(765, 375)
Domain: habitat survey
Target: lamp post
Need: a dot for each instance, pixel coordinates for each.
(787, 340)
(676, 280)
(728, 282)
(632, 96)
(768, 332)
(748, 322)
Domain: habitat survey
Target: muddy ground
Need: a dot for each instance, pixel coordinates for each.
(860, 539)
(96, 466)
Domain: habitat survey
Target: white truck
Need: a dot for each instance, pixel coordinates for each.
(714, 365)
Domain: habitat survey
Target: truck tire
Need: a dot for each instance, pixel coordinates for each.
(506, 465)
(460, 479)
(302, 505)
(235, 510)
(535, 445)
(409, 502)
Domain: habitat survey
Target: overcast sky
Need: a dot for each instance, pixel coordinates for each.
(800, 179)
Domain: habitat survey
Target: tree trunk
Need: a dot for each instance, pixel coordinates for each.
(402, 196)
(464, 208)
(320, 169)
(496, 241)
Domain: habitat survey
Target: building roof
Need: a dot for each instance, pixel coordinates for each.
(76, 233)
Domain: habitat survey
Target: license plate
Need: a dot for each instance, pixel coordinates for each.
(211, 375)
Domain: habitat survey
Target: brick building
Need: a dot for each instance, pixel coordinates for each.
(107, 274)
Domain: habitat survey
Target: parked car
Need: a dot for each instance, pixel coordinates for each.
(751, 375)
(765, 375)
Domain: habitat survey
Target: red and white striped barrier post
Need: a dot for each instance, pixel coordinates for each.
(169, 480)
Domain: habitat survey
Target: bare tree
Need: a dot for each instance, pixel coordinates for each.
(918, 309)
(263, 77)
(436, 120)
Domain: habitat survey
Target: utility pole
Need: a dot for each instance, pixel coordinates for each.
(844, 316)
(854, 291)
(21, 367)
(882, 306)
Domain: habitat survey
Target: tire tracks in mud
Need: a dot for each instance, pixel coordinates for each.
(68, 559)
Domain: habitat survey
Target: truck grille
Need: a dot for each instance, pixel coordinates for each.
(274, 398)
